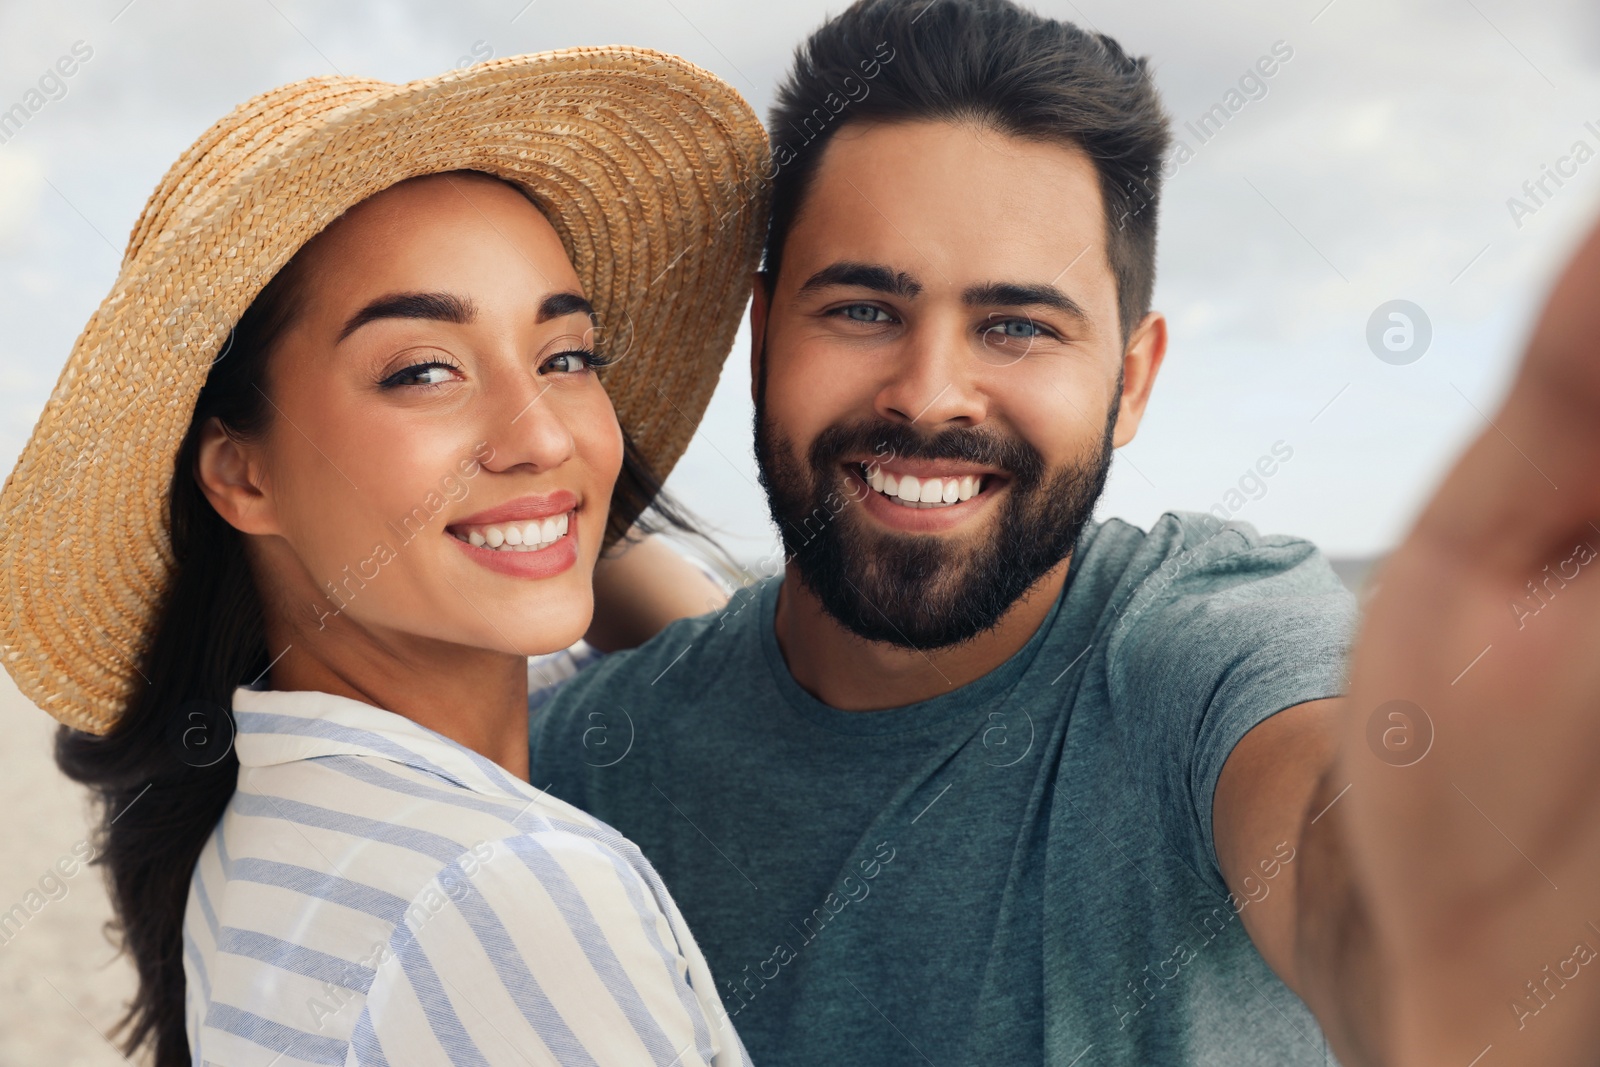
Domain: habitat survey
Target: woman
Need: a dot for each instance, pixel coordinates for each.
(335, 454)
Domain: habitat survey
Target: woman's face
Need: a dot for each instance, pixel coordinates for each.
(441, 454)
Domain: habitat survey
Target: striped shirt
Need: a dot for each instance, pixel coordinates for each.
(378, 894)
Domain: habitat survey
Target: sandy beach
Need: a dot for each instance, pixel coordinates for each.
(62, 985)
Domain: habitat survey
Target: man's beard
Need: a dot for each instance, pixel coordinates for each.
(921, 591)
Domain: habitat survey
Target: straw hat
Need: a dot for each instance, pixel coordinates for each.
(650, 169)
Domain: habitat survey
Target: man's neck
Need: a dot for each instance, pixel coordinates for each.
(846, 672)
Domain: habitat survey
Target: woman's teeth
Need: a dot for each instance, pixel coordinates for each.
(913, 492)
(528, 536)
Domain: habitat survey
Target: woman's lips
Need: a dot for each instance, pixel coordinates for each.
(523, 508)
(529, 536)
(502, 548)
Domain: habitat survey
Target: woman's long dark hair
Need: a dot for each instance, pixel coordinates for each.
(166, 770)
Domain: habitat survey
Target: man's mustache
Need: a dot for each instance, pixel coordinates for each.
(887, 441)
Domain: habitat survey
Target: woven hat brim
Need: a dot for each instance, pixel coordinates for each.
(650, 169)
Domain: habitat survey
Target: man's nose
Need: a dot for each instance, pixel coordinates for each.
(934, 382)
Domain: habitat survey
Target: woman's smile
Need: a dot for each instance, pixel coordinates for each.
(529, 537)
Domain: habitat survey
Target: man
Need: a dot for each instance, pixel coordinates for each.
(979, 780)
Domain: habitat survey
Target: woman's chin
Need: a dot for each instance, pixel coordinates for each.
(532, 616)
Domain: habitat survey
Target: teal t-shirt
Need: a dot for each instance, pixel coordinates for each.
(1020, 870)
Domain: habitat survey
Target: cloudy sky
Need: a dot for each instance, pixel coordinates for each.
(1375, 165)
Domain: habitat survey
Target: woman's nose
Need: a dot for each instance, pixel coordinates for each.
(525, 427)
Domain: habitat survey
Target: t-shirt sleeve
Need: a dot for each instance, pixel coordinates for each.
(1230, 629)
(547, 948)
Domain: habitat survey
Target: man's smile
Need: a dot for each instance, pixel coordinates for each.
(925, 496)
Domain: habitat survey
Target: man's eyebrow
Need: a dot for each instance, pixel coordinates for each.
(557, 305)
(441, 307)
(1013, 294)
(864, 276)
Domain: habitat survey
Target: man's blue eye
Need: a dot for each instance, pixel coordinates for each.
(1020, 328)
(865, 313)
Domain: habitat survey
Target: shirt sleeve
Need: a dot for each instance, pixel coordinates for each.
(1232, 628)
(547, 948)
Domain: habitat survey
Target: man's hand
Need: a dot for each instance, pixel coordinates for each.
(1462, 917)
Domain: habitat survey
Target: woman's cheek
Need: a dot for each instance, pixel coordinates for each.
(600, 439)
(325, 519)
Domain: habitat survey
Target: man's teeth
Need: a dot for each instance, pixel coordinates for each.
(911, 491)
(528, 536)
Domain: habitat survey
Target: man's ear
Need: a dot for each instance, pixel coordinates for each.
(759, 302)
(229, 473)
(1141, 361)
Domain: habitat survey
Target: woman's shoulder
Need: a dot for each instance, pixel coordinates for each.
(318, 904)
(355, 848)
(323, 775)
(427, 811)
(398, 829)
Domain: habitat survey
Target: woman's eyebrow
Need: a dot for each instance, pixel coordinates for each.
(441, 307)
(557, 305)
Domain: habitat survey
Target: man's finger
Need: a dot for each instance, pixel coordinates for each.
(1531, 481)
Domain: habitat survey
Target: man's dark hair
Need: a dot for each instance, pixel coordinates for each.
(991, 62)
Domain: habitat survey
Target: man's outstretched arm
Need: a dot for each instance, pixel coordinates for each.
(1447, 904)
(1276, 797)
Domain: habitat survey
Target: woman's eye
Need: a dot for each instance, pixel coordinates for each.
(865, 313)
(573, 362)
(430, 373)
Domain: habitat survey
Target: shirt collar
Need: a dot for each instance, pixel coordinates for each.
(274, 726)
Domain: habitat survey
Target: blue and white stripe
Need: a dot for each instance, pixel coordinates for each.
(377, 894)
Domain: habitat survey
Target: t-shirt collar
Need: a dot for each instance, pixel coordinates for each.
(959, 704)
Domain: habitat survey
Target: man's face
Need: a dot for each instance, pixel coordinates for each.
(940, 375)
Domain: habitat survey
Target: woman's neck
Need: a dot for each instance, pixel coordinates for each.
(476, 697)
